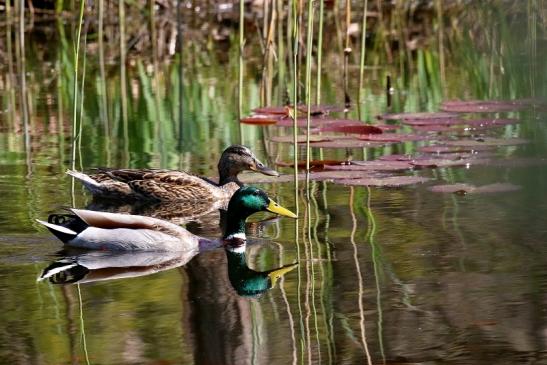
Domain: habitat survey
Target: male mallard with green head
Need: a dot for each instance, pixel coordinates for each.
(172, 185)
(124, 232)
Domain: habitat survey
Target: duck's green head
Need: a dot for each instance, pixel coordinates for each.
(249, 200)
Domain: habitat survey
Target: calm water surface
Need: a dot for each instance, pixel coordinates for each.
(385, 275)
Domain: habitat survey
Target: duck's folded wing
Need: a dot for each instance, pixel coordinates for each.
(176, 185)
(115, 220)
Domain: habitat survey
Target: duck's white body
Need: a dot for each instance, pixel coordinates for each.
(124, 232)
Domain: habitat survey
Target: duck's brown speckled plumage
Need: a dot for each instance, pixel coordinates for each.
(172, 185)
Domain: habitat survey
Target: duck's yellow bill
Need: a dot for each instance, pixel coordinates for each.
(278, 209)
(276, 274)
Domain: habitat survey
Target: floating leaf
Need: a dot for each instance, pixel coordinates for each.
(250, 178)
(464, 189)
(301, 138)
(439, 163)
(384, 181)
(478, 142)
(347, 143)
(313, 163)
(433, 121)
(372, 166)
(301, 122)
(483, 106)
(279, 110)
(422, 115)
(395, 158)
(261, 119)
(485, 123)
(396, 137)
(352, 128)
(453, 149)
(321, 109)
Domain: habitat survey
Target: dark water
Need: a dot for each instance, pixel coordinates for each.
(385, 275)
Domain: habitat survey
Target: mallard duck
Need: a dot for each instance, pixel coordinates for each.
(172, 185)
(124, 232)
(246, 281)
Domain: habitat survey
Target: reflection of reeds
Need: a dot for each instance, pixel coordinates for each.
(82, 324)
(361, 290)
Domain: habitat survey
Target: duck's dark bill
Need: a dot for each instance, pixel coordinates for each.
(278, 209)
(260, 167)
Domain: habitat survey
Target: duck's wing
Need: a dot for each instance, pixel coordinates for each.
(177, 186)
(103, 185)
(106, 220)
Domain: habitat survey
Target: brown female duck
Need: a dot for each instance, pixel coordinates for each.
(172, 185)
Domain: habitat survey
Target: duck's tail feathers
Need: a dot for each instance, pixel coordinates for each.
(64, 271)
(64, 226)
(92, 185)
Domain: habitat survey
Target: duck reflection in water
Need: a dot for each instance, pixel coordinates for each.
(246, 281)
(94, 266)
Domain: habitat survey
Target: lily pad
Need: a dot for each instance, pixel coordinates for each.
(261, 119)
(250, 178)
(463, 189)
(483, 106)
(347, 143)
(279, 110)
(301, 122)
(301, 138)
(392, 181)
(395, 158)
(372, 166)
(454, 149)
(321, 164)
(477, 142)
(352, 128)
(420, 115)
(397, 137)
(440, 163)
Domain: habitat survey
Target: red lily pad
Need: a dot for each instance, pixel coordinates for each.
(278, 110)
(420, 115)
(483, 106)
(454, 149)
(440, 163)
(478, 142)
(463, 189)
(372, 166)
(322, 109)
(396, 137)
(250, 178)
(349, 128)
(395, 158)
(392, 181)
(301, 122)
(321, 164)
(433, 121)
(347, 143)
(301, 138)
(261, 119)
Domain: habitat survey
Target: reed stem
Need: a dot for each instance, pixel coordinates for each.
(309, 45)
(75, 90)
(362, 59)
(319, 52)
